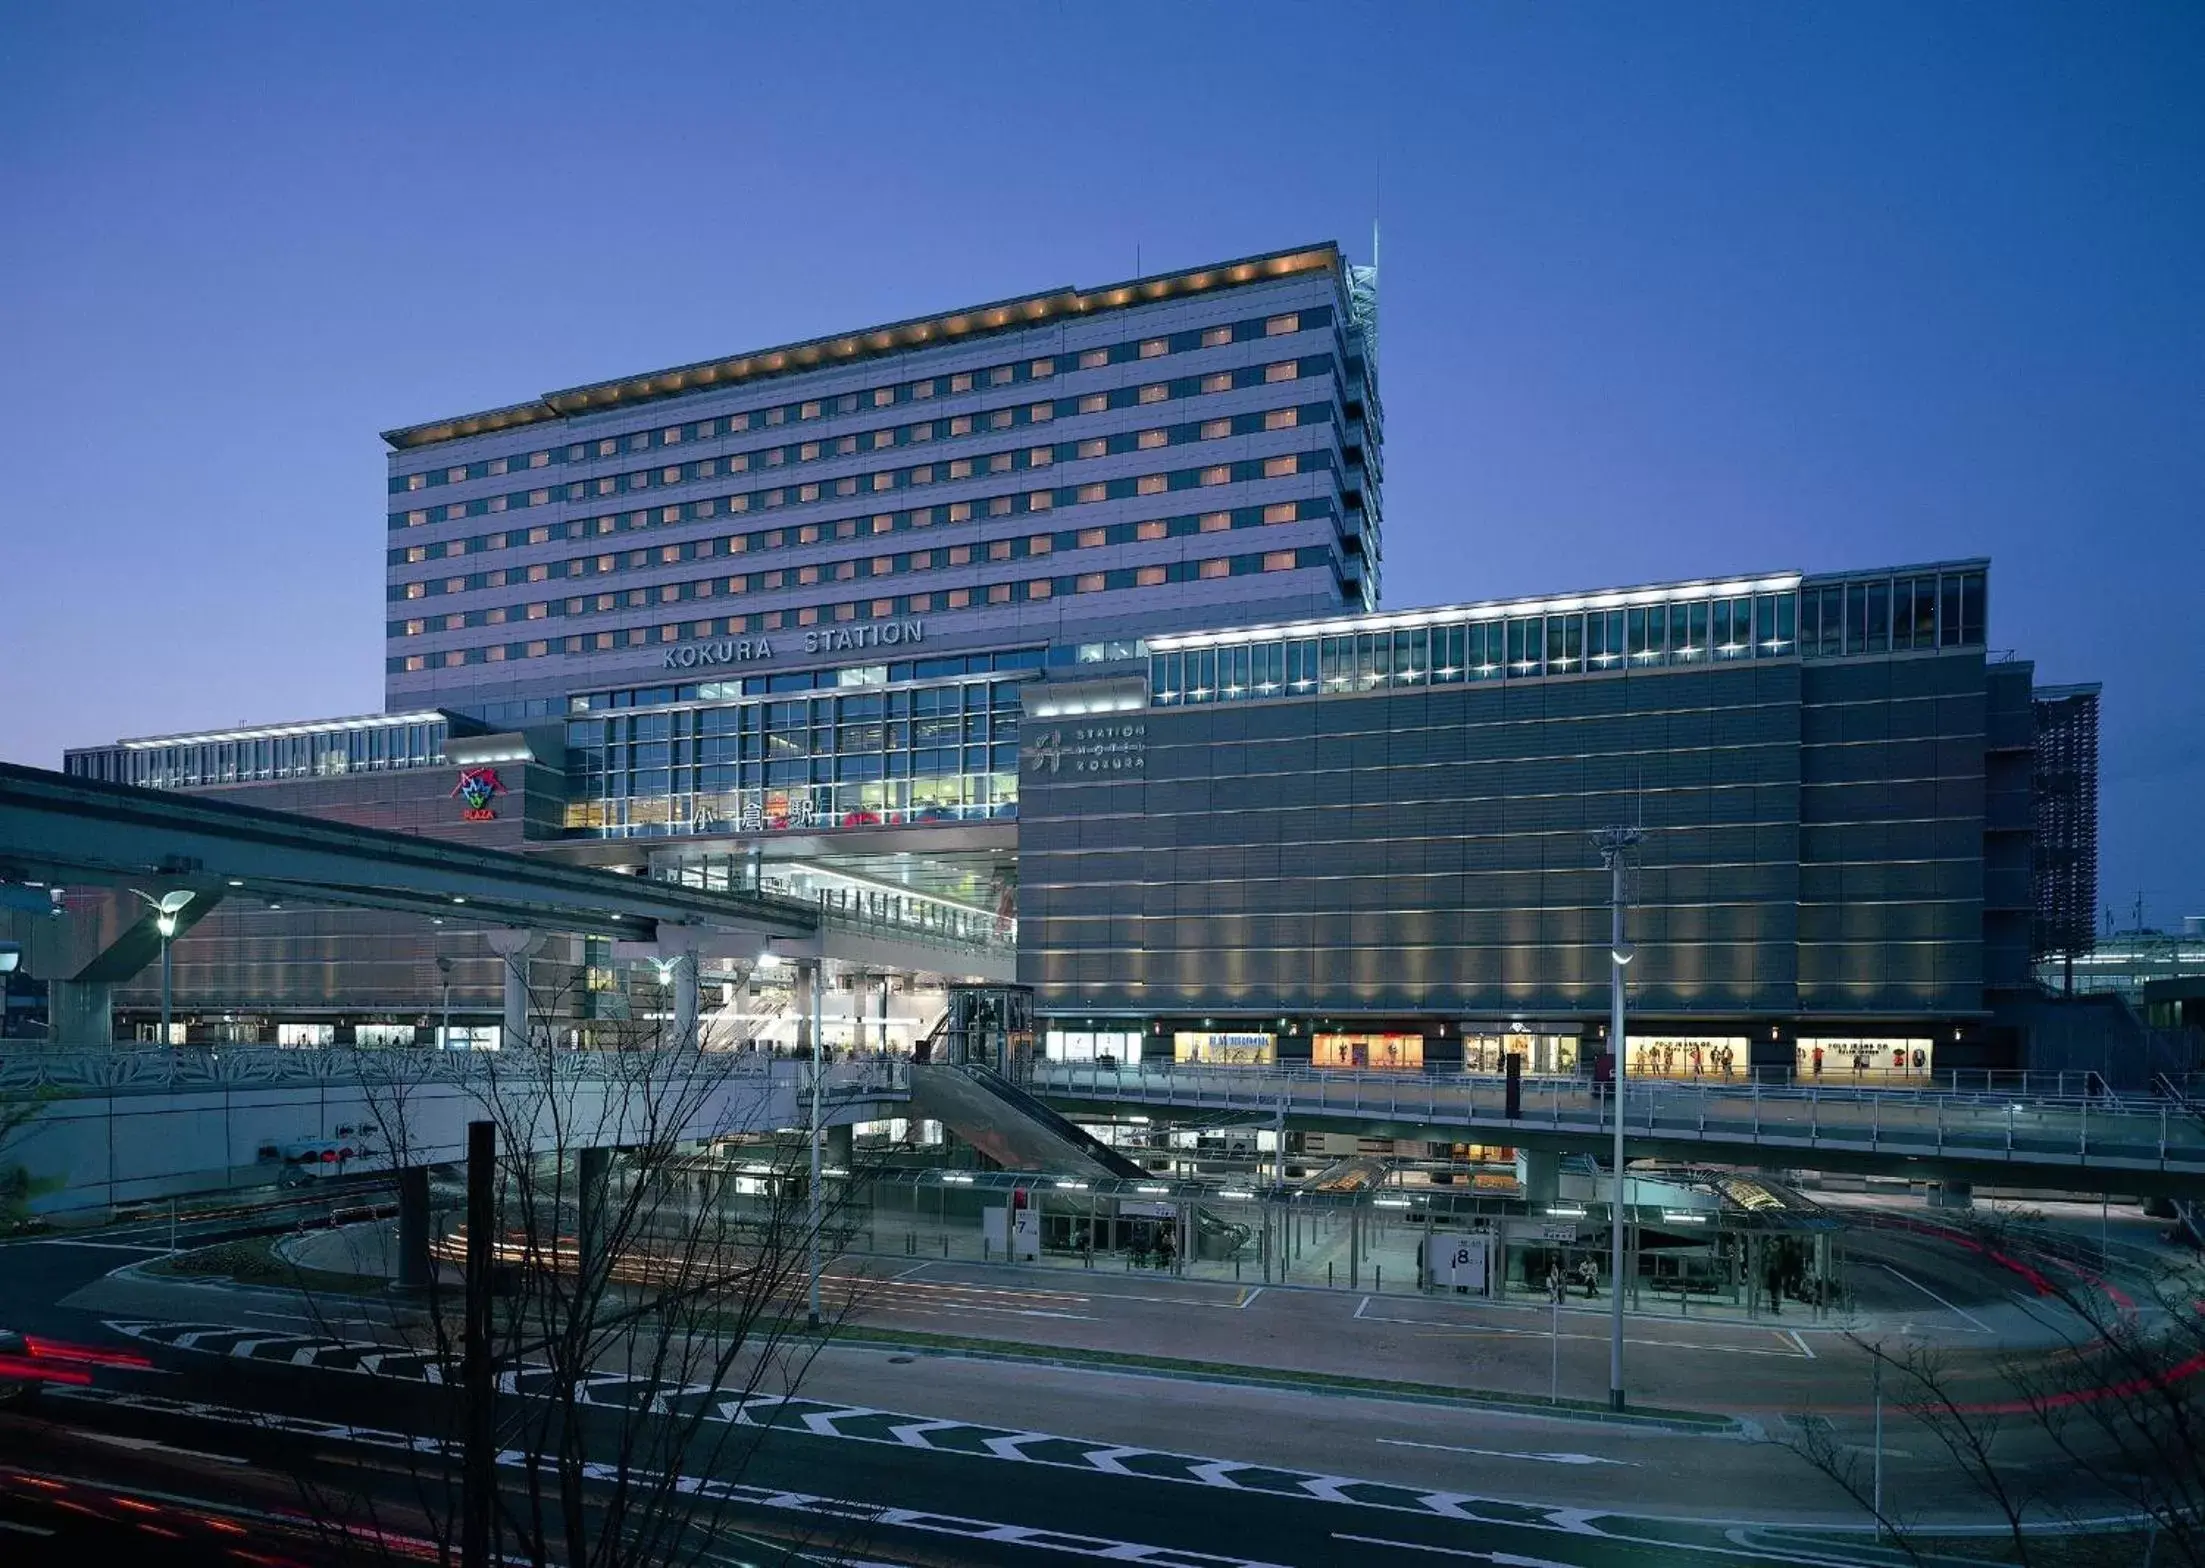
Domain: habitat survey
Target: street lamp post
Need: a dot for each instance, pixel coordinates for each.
(444, 972)
(1615, 844)
(165, 910)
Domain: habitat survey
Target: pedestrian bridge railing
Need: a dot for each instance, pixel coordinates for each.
(1965, 1128)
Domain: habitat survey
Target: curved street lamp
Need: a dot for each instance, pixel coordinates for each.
(165, 910)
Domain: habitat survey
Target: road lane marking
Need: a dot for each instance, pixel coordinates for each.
(1249, 1299)
(1941, 1301)
(24, 1529)
(1503, 1453)
(1801, 1343)
(1503, 1559)
(1440, 1331)
(111, 1246)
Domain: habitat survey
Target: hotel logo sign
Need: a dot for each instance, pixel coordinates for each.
(1091, 748)
(476, 788)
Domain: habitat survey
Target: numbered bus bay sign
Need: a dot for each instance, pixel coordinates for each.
(1458, 1262)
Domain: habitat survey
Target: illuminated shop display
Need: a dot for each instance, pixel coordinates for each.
(1091, 1045)
(1845, 1059)
(1380, 1051)
(1688, 1056)
(1232, 1050)
(1544, 1054)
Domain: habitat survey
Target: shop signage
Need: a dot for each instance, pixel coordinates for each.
(475, 790)
(1091, 748)
(1555, 1230)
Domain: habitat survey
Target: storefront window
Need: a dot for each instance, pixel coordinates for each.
(1232, 1050)
(1085, 1045)
(1384, 1052)
(1689, 1056)
(1545, 1055)
(382, 1034)
(306, 1034)
(1835, 1059)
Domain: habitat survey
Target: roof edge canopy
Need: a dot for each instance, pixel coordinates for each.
(841, 348)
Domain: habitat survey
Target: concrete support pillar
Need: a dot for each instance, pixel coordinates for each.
(807, 980)
(81, 1012)
(1952, 1195)
(593, 1189)
(514, 947)
(839, 1146)
(688, 1027)
(1542, 1176)
(413, 1228)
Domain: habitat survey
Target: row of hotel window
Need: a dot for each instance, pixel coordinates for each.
(993, 594)
(1282, 466)
(919, 391)
(1833, 1059)
(779, 579)
(937, 471)
(326, 754)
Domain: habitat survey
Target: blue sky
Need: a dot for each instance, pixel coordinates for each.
(1667, 291)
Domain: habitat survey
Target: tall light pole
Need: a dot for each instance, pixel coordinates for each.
(1615, 845)
(444, 972)
(165, 910)
(817, 971)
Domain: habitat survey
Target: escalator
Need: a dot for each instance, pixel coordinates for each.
(1018, 1132)
(1010, 1126)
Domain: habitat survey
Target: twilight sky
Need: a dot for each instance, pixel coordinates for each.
(1667, 291)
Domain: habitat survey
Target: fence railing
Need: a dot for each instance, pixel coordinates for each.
(2075, 1132)
(61, 1070)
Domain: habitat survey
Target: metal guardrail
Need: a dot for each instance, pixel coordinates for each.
(64, 1071)
(2077, 1133)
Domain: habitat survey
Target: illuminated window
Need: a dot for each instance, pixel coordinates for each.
(807, 492)
(883, 523)
(1221, 474)
(1041, 367)
(1090, 538)
(960, 598)
(1000, 419)
(1040, 456)
(846, 612)
(1221, 382)
(1215, 522)
(1040, 588)
(922, 389)
(1093, 492)
(807, 452)
(808, 411)
(538, 649)
(1151, 484)
(807, 575)
(1280, 512)
(417, 481)
(1278, 561)
(1285, 370)
(1149, 438)
(1279, 326)
(1094, 403)
(960, 555)
(1088, 582)
(1040, 544)
(1155, 393)
(999, 550)
(539, 459)
(416, 519)
(960, 511)
(537, 612)
(961, 425)
(883, 396)
(999, 593)
(414, 662)
(455, 658)
(1090, 359)
(921, 603)
(1217, 566)
(999, 506)
(808, 616)
(1280, 467)
(417, 552)
(1094, 447)
(1148, 577)
(961, 469)
(961, 383)
(1216, 337)
(1216, 429)
(1151, 530)
(883, 607)
(1000, 376)
(1154, 348)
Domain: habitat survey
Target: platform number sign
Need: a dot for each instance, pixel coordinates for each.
(1459, 1263)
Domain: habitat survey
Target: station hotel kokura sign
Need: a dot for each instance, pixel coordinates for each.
(818, 639)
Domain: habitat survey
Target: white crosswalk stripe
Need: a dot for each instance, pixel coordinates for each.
(626, 1391)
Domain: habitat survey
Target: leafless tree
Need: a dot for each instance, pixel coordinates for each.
(2117, 1403)
(650, 1310)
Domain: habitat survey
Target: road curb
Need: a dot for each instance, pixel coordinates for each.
(1693, 1422)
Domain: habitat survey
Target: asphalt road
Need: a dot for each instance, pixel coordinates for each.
(934, 1459)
